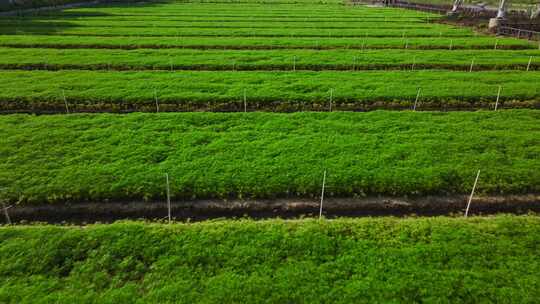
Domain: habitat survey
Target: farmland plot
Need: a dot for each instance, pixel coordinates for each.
(271, 40)
(254, 57)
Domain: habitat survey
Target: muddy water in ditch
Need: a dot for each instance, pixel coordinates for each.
(106, 212)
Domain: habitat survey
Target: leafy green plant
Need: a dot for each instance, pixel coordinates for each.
(275, 261)
(96, 157)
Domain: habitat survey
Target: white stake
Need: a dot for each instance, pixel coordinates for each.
(413, 63)
(331, 97)
(407, 44)
(498, 96)
(529, 64)
(245, 101)
(472, 64)
(354, 64)
(8, 219)
(451, 43)
(65, 101)
(294, 63)
(156, 99)
(472, 194)
(322, 195)
(168, 198)
(416, 100)
(496, 42)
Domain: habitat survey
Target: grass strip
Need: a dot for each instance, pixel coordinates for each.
(84, 157)
(265, 90)
(234, 32)
(191, 59)
(340, 261)
(126, 42)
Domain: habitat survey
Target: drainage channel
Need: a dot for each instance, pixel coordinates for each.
(107, 212)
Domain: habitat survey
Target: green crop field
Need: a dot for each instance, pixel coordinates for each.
(249, 56)
(266, 108)
(256, 155)
(272, 57)
(285, 56)
(437, 260)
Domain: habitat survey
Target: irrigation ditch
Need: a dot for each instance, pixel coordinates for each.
(59, 107)
(273, 67)
(410, 46)
(109, 211)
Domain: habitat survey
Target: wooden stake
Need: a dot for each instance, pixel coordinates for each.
(6, 214)
(156, 100)
(472, 194)
(168, 198)
(498, 96)
(65, 101)
(322, 195)
(416, 100)
(529, 64)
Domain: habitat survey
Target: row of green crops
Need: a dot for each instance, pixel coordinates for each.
(28, 90)
(79, 157)
(194, 59)
(44, 29)
(256, 9)
(439, 260)
(255, 24)
(62, 42)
